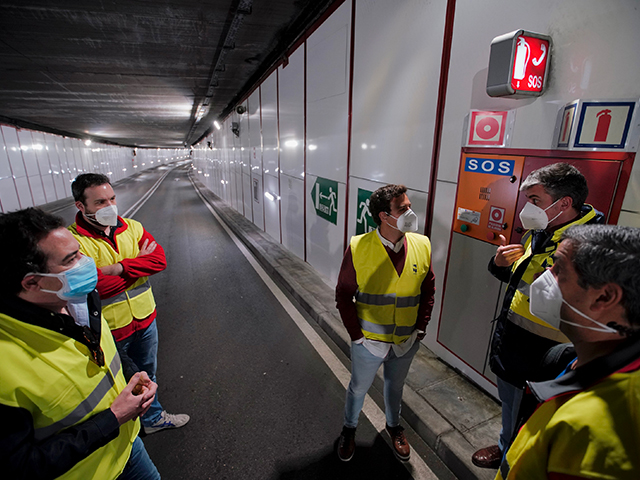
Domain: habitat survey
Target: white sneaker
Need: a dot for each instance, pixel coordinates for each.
(167, 420)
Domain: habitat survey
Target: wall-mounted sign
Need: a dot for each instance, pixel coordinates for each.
(364, 220)
(518, 64)
(603, 125)
(324, 195)
(489, 129)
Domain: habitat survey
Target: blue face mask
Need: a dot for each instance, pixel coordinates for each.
(77, 282)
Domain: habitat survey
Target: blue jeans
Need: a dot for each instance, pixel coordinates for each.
(139, 466)
(364, 366)
(510, 396)
(142, 348)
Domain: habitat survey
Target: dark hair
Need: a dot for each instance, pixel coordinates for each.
(84, 181)
(559, 180)
(608, 254)
(380, 200)
(20, 233)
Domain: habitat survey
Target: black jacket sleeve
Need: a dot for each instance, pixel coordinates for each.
(23, 457)
(501, 273)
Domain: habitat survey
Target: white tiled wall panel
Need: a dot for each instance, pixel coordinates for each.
(328, 52)
(269, 103)
(291, 115)
(398, 47)
(292, 216)
(247, 196)
(272, 207)
(37, 168)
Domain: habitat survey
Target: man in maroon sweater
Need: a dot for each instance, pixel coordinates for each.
(388, 272)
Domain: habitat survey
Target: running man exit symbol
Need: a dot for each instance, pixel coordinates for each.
(324, 194)
(364, 220)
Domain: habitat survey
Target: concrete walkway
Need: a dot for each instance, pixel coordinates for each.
(453, 416)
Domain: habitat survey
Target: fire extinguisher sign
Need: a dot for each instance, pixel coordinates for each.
(604, 124)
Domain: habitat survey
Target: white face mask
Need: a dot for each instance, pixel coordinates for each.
(407, 222)
(545, 302)
(535, 218)
(107, 216)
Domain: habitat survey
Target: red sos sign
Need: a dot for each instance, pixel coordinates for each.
(529, 63)
(518, 64)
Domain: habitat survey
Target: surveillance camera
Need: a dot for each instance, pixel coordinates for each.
(240, 109)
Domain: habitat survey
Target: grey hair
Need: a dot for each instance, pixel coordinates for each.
(559, 180)
(608, 254)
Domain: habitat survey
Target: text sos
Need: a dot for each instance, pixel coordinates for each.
(535, 82)
(492, 166)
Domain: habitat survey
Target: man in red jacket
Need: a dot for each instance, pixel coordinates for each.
(126, 255)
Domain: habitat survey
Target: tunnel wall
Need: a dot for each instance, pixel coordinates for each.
(37, 168)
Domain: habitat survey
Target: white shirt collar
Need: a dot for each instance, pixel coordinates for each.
(395, 247)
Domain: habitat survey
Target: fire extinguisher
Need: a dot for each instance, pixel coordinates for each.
(602, 129)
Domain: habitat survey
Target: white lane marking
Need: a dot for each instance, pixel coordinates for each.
(416, 466)
(138, 205)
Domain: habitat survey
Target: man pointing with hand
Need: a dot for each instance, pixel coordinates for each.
(555, 201)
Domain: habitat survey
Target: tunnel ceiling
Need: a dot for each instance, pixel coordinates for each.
(138, 72)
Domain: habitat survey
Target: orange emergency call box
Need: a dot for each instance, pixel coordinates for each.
(487, 196)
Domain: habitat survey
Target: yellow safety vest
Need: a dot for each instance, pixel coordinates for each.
(55, 379)
(592, 434)
(520, 314)
(137, 301)
(387, 304)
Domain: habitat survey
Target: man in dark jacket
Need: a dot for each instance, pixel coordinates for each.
(556, 194)
(67, 410)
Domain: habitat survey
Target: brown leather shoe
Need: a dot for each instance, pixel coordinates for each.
(488, 457)
(400, 445)
(347, 444)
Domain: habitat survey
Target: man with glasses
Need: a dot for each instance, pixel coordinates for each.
(586, 425)
(67, 411)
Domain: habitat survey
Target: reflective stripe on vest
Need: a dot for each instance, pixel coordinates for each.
(86, 407)
(388, 299)
(536, 328)
(128, 294)
(387, 303)
(386, 329)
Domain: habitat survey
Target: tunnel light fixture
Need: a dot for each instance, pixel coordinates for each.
(217, 125)
(313, 147)
(87, 142)
(291, 143)
(271, 196)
